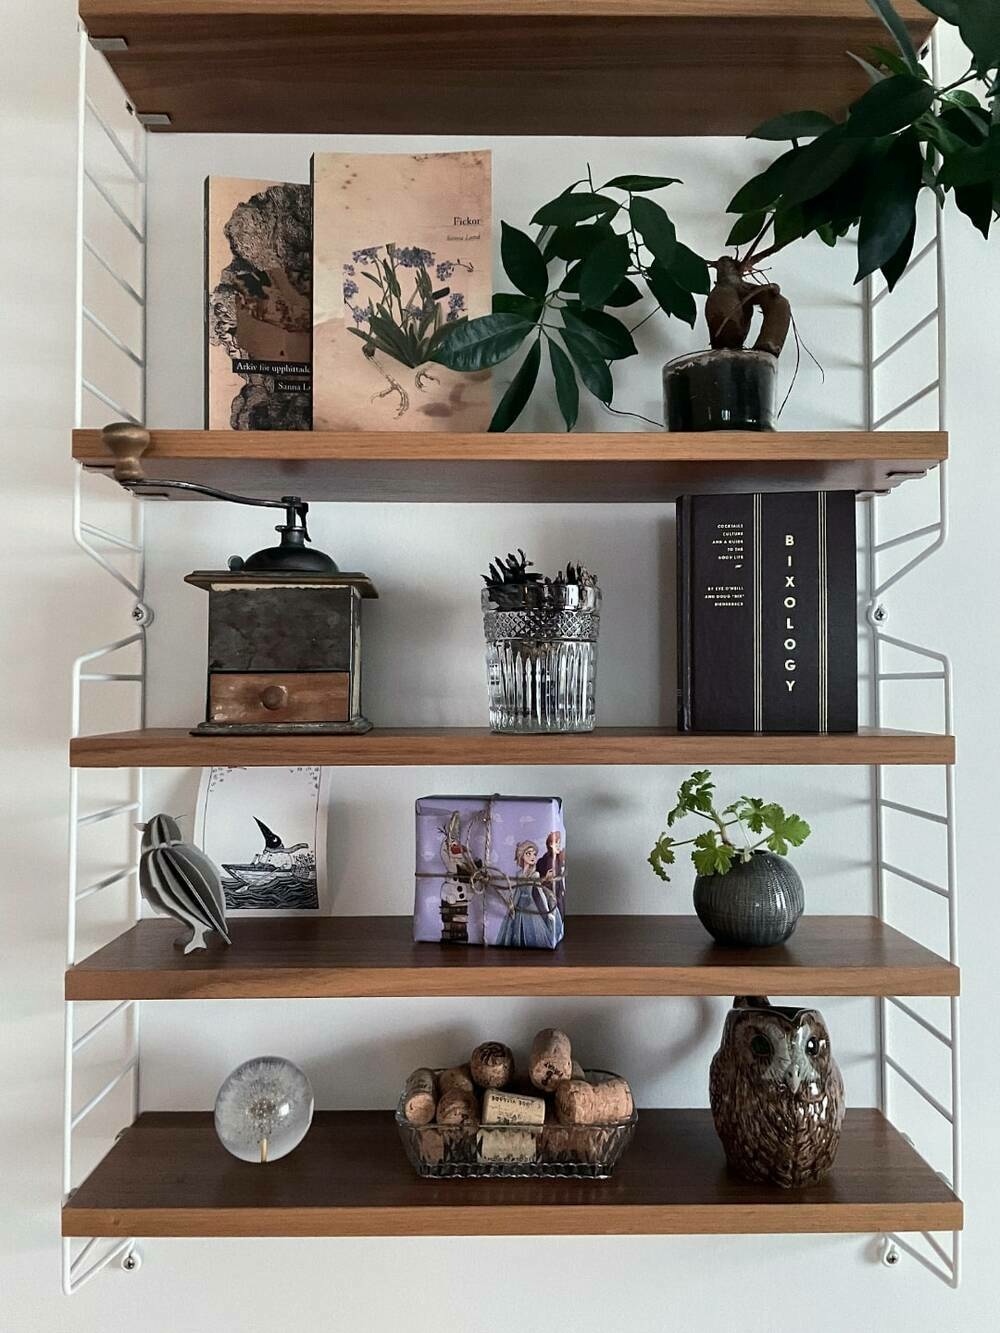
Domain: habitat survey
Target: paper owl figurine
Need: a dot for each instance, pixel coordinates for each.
(177, 879)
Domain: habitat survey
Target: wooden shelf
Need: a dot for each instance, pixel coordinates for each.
(175, 747)
(613, 468)
(594, 67)
(602, 955)
(168, 1175)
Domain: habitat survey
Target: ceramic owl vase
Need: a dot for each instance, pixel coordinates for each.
(776, 1092)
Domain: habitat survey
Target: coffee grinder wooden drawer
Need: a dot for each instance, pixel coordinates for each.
(273, 699)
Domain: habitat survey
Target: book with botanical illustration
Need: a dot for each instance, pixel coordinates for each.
(401, 252)
(258, 317)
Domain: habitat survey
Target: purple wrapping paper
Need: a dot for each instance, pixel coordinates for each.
(490, 870)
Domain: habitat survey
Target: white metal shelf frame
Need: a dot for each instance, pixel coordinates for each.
(923, 664)
(99, 667)
(97, 1253)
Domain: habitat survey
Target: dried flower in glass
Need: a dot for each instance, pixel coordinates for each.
(264, 1109)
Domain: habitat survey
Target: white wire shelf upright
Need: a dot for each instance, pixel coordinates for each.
(891, 561)
(111, 212)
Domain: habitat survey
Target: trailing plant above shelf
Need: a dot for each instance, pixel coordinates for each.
(904, 135)
(605, 240)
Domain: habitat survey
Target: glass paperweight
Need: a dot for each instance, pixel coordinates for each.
(264, 1109)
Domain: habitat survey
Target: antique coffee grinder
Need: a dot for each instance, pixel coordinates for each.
(284, 625)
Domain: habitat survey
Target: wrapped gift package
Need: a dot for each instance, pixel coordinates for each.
(490, 870)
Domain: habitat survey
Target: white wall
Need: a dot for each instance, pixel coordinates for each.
(54, 607)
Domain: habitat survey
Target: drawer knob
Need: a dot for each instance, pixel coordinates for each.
(275, 696)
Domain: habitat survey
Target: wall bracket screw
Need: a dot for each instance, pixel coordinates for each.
(142, 614)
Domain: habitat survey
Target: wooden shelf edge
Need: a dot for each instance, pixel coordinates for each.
(672, 1181)
(431, 746)
(142, 964)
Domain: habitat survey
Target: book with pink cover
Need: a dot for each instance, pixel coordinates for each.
(402, 248)
(258, 318)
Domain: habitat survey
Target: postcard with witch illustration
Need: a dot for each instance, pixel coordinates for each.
(402, 249)
(490, 870)
(265, 828)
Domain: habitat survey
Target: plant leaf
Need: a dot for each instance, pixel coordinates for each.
(694, 794)
(896, 26)
(639, 183)
(819, 165)
(889, 106)
(689, 270)
(764, 188)
(482, 342)
(513, 403)
(567, 390)
(976, 202)
(522, 261)
(795, 125)
(670, 295)
(609, 335)
(894, 268)
(744, 229)
(710, 856)
(662, 855)
(944, 9)
(979, 24)
(974, 164)
(626, 293)
(591, 366)
(890, 204)
(567, 209)
(570, 281)
(786, 830)
(510, 303)
(577, 242)
(874, 75)
(655, 228)
(789, 224)
(603, 269)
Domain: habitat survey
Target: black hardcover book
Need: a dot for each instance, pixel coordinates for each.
(767, 612)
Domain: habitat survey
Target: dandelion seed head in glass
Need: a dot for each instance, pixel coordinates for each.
(264, 1109)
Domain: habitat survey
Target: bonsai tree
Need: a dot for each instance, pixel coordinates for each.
(906, 134)
(759, 826)
(593, 249)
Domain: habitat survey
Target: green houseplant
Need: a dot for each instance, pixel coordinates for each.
(745, 892)
(593, 248)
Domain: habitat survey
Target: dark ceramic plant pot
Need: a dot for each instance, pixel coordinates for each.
(720, 390)
(758, 903)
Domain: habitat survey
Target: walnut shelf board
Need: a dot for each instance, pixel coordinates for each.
(175, 747)
(366, 956)
(614, 468)
(570, 67)
(168, 1175)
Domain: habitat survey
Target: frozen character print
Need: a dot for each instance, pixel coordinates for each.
(552, 868)
(533, 919)
(456, 885)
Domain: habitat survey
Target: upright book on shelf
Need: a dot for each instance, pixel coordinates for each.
(258, 313)
(402, 249)
(767, 612)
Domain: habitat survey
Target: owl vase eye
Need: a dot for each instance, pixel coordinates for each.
(760, 1045)
(812, 1046)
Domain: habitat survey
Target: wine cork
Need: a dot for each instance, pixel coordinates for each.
(458, 1108)
(551, 1059)
(508, 1108)
(602, 1103)
(420, 1097)
(506, 1144)
(492, 1065)
(457, 1077)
